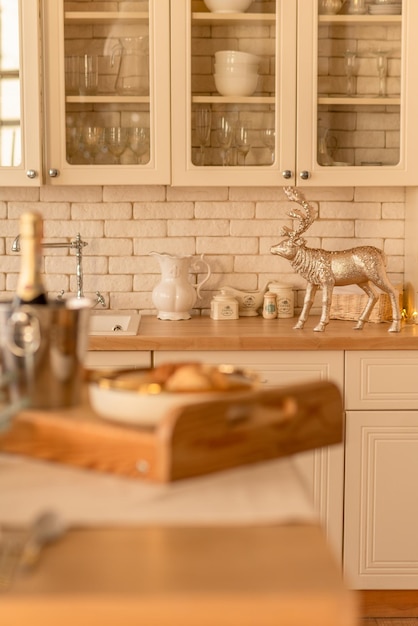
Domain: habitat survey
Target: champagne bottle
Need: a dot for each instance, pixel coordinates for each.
(30, 288)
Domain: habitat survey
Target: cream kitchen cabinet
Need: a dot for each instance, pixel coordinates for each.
(381, 503)
(325, 130)
(323, 469)
(20, 111)
(117, 359)
(106, 100)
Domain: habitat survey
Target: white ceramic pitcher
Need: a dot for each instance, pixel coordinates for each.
(175, 295)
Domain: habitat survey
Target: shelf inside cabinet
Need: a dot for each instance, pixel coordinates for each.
(359, 19)
(360, 100)
(233, 18)
(108, 99)
(105, 17)
(233, 99)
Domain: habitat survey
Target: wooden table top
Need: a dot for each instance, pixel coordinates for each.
(256, 333)
(228, 576)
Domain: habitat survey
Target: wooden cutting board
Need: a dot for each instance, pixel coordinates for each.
(190, 441)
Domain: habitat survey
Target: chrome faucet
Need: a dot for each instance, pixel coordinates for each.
(78, 244)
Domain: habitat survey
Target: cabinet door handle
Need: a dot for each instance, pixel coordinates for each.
(31, 173)
(304, 174)
(287, 174)
(53, 173)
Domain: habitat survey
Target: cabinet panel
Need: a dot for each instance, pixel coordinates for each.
(381, 506)
(365, 130)
(120, 359)
(384, 379)
(128, 46)
(20, 117)
(322, 469)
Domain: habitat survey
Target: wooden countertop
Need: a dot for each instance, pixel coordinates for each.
(229, 576)
(256, 333)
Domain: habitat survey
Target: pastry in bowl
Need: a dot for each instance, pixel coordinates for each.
(144, 396)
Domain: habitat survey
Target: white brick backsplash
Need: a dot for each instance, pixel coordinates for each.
(102, 211)
(71, 194)
(234, 228)
(163, 210)
(221, 210)
(381, 228)
(134, 193)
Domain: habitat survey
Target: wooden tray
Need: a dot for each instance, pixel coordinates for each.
(190, 441)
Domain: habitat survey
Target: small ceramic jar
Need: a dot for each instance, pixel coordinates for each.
(224, 307)
(285, 299)
(270, 306)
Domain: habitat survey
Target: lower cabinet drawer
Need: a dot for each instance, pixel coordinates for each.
(381, 379)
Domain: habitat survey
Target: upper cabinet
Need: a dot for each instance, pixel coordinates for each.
(331, 103)
(168, 92)
(107, 111)
(20, 147)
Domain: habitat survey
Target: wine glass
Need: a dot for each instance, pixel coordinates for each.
(350, 66)
(242, 141)
(268, 137)
(92, 139)
(138, 141)
(224, 136)
(116, 138)
(203, 121)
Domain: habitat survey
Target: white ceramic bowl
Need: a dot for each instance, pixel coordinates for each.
(244, 85)
(235, 56)
(236, 69)
(227, 6)
(148, 404)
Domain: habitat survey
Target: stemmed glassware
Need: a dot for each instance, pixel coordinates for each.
(116, 138)
(224, 136)
(268, 137)
(242, 141)
(350, 67)
(138, 141)
(92, 139)
(203, 121)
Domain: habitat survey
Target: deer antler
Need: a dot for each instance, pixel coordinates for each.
(305, 218)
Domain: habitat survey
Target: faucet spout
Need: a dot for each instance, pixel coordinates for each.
(16, 244)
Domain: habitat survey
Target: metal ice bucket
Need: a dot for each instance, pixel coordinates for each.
(42, 350)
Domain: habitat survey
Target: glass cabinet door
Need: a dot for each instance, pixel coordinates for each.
(233, 93)
(107, 92)
(19, 93)
(356, 98)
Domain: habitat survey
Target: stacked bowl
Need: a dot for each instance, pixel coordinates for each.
(236, 73)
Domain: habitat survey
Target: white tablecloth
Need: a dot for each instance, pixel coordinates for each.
(270, 492)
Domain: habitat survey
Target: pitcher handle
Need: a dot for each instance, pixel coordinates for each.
(198, 286)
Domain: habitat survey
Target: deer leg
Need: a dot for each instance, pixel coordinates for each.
(307, 305)
(326, 307)
(387, 287)
(365, 314)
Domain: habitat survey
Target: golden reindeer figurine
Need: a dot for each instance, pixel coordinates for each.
(363, 266)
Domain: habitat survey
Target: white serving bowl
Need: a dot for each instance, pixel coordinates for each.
(112, 399)
(244, 85)
(235, 56)
(236, 69)
(227, 6)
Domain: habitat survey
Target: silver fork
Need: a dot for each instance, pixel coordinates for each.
(21, 549)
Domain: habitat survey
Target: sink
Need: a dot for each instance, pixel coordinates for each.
(111, 323)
